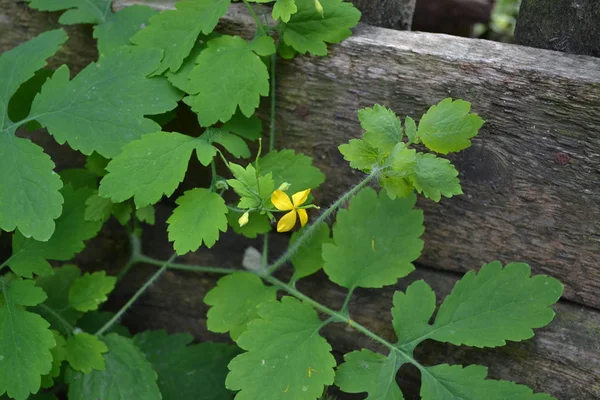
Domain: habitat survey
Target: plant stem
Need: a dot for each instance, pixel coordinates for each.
(136, 296)
(344, 309)
(259, 24)
(309, 230)
(184, 267)
(136, 252)
(265, 252)
(68, 327)
(273, 101)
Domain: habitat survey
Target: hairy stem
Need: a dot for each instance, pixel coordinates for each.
(134, 298)
(311, 228)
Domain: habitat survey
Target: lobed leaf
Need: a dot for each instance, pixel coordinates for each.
(77, 11)
(59, 354)
(90, 290)
(435, 177)
(121, 26)
(85, 352)
(295, 169)
(383, 129)
(56, 308)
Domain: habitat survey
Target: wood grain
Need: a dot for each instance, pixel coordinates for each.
(392, 14)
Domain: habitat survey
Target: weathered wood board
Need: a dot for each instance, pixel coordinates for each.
(532, 178)
(392, 14)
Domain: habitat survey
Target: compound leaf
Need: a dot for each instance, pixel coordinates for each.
(90, 290)
(128, 375)
(295, 169)
(199, 217)
(25, 340)
(175, 31)
(30, 256)
(77, 11)
(85, 352)
(184, 371)
(366, 371)
(284, 353)
(30, 199)
(308, 259)
(453, 382)
(435, 177)
(229, 74)
(234, 302)
(309, 31)
(449, 126)
(104, 106)
(375, 241)
(121, 26)
(151, 167)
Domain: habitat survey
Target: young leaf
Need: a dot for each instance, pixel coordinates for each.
(122, 212)
(128, 375)
(78, 12)
(411, 130)
(360, 154)
(25, 340)
(383, 129)
(234, 302)
(104, 106)
(185, 371)
(226, 65)
(30, 256)
(56, 308)
(453, 382)
(257, 224)
(282, 9)
(366, 371)
(146, 214)
(199, 217)
(435, 177)
(176, 31)
(284, 353)
(449, 126)
(59, 354)
(309, 259)
(121, 26)
(30, 198)
(85, 352)
(97, 208)
(396, 169)
(309, 32)
(253, 190)
(376, 241)
(90, 290)
(152, 167)
(295, 169)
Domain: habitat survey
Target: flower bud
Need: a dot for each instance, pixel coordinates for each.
(244, 219)
(319, 7)
(284, 186)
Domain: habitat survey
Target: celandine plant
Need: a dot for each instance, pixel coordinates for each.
(54, 341)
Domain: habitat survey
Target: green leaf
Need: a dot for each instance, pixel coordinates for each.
(248, 128)
(284, 353)
(79, 178)
(411, 130)
(309, 32)
(308, 259)
(30, 256)
(435, 177)
(128, 375)
(122, 212)
(59, 354)
(96, 164)
(90, 290)
(449, 126)
(496, 304)
(20, 103)
(185, 371)
(25, 340)
(152, 167)
(253, 190)
(146, 214)
(284, 9)
(453, 382)
(383, 129)
(226, 65)
(30, 199)
(97, 208)
(234, 302)
(232, 143)
(56, 308)
(104, 106)
(181, 78)
(257, 224)
(360, 154)
(199, 217)
(176, 31)
(121, 26)
(366, 371)
(295, 169)
(85, 352)
(396, 169)
(376, 241)
(78, 12)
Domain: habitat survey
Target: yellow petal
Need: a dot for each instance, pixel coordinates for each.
(300, 197)
(287, 222)
(303, 216)
(281, 201)
(244, 219)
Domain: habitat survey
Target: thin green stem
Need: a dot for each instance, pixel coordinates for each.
(68, 328)
(259, 24)
(273, 101)
(184, 267)
(311, 228)
(265, 251)
(136, 296)
(213, 170)
(5, 263)
(136, 252)
(344, 308)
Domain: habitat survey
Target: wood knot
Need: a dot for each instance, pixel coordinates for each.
(561, 158)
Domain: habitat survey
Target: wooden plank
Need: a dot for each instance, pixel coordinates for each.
(532, 178)
(562, 359)
(392, 14)
(572, 26)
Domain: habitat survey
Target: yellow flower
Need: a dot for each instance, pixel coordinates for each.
(282, 202)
